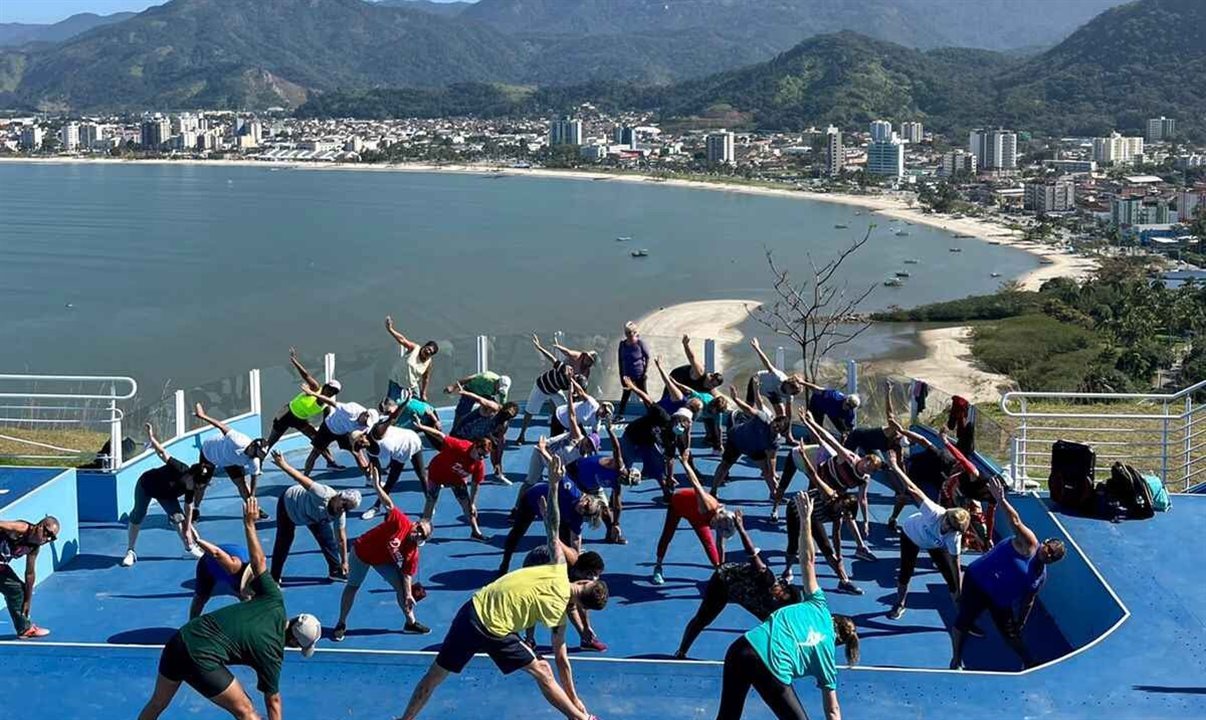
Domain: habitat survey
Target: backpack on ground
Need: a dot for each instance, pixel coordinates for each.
(1130, 489)
(1161, 500)
(1071, 483)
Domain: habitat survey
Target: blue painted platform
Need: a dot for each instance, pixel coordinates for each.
(1150, 665)
(17, 482)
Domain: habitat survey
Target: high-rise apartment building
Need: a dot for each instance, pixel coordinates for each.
(720, 147)
(1117, 149)
(1160, 129)
(1049, 197)
(91, 134)
(625, 136)
(32, 137)
(881, 131)
(70, 136)
(957, 162)
(565, 132)
(994, 149)
(886, 158)
(835, 154)
(912, 132)
(154, 133)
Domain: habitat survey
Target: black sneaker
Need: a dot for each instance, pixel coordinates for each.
(976, 632)
(337, 576)
(849, 588)
(415, 628)
(896, 612)
(338, 633)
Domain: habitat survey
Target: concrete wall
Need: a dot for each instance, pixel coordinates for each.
(107, 497)
(56, 497)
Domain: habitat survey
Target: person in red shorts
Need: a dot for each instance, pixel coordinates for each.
(706, 515)
(459, 463)
(392, 550)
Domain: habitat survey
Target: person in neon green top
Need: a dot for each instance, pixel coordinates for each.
(298, 412)
(492, 620)
(796, 641)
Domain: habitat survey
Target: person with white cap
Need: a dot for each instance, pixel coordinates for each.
(340, 423)
(590, 412)
(655, 438)
(253, 633)
(483, 384)
(834, 404)
(392, 550)
(297, 413)
(237, 454)
(321, 509)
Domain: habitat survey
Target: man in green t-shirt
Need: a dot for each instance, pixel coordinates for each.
(253, 633)
(486, 384)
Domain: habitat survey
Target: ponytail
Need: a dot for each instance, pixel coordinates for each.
(846, 634)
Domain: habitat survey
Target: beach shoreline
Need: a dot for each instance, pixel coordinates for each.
(1056, 263)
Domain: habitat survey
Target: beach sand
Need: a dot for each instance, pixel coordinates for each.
(947, 365)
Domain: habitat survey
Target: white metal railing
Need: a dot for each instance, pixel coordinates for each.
(1156, 432)
(33, 402)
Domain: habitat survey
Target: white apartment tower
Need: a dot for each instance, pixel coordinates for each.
(31, 137)
(1117, 149)
(881, 131)
(70, 135)
(994, 149)
(912, 132)
(835, 157)
(1160, 129)
(720, 147)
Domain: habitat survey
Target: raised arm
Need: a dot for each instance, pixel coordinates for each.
(540, 348)
(433, 432)
(905, 481)
(570, 355)
(766, 363)
(551, 509)
(697, 368)
(814, 476)
(617, 453)
(322, 399)
(748, 543)
(458, 389)
(279, 460)
(199, 412)
(159, 449)
(382, 497)
(707, 504)
(672, 387)
(1024, 540)
(888, 411)
(232, 565)
(912, 436)
(251, 513)
(808, 571)
(741, 404)
(574, 428)
(827, 439)
(401, 339)
(304, 374)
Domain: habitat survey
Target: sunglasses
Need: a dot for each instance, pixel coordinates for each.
(49, 534)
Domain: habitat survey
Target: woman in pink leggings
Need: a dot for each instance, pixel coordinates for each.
(709, 519)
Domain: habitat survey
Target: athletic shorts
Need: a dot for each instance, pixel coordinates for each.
(537, 400)
(177, 665)
(358, 570)
(286, 420)
(324, 437)
(467, 637)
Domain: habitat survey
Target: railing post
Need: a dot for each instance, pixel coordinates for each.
(709, 355)
(181, 418)
(1164, 440)
(1022, 445)
(558, 338)
(328, 367)
(781, 358)
(852, 381)
(115, 458)
(914, 414)
(483, 353)
(1187, 431)
(253, 387)
(1013, 463)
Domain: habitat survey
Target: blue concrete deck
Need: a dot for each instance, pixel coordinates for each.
(1151, 666)
(17, 482)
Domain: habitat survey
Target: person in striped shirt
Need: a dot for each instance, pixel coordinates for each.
(552, 385)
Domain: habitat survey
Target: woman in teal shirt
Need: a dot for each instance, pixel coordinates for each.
(795, 642)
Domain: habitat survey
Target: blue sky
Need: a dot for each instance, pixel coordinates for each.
(50, 11)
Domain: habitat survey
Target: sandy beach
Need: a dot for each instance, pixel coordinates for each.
(947, 364)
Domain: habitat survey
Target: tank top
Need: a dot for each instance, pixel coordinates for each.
(304, 407)
(12, 548)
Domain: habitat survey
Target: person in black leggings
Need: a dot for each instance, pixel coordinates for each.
(751, 584)
(796, 641)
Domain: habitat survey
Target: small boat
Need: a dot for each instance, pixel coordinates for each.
(640, 253)
(956, 249)
(902, 233)
(1046, 261)
(912, 261)
(963, 235)
(623, 238)
(996, 274)
(902, 273)
(893, 282)
(994, 242)
(840, 226)
(860, 212)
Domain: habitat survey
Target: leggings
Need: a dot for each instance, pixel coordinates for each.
(715, 600)
(743, 669)
(908, 562)
(524, 517)
(793, 536)
(637, 381)
(703, 532)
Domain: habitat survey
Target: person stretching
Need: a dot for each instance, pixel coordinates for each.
(253, 633)
(757, 438)
(392, 550)
(576, 508)
(19, 538)
(596, 473)
(337, 427)
(297, 413)
(319, 508)
(567, 447)
(413, 370)
(694, 376)
(391, 447)
(633, 361)
(591, 413)
(795, 642)
(237, 454)
(553, 383)
(483, 384)
(221, 569)
(458, 464)
(166, 484)
(581, 566)
(1007, 577)
(705, 514)
(492, 619)
(776, 386)
(847, 471)
(934, 529)
(485, 418)
(653, 439)
(833, 404)
(829, 506)
(751, 585)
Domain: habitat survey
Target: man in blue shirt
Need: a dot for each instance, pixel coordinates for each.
(1006, 578)
(833, 404)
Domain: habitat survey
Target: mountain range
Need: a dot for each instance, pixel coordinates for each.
(253, 53)
(16, 34)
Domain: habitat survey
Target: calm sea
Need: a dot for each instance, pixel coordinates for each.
(186, 273)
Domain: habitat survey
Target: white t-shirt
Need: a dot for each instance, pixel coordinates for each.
(398, 444)
(769, 382)
(587, 411)
(227, 451)
(343, 419)
(924, 528)
(409, 370)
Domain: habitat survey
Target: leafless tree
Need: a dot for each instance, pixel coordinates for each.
(818, 312)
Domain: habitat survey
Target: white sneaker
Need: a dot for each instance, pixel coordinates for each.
(196, 551)
(787, 576)
(369, 514)
(130, 558)
(502, 479)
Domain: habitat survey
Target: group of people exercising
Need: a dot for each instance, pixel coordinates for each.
(575, 481)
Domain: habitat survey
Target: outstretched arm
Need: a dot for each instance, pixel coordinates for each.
(766, 363)
(485, 402)
(304, 374)
(808, 571)
(279, 460)
(741, 404)
(617, 453)
(672, 387)
(703, 499)
(571, 355)
(909, 486)
(251, 513)
(382, 497)
(644, 396)
(160, 450)
(827, 439)
(199, 412)
(401, 339)
(552, 512)
(322, 399)
(574, 428)
(697, 368)
(748, 543)
(912, 436)
(540, 348)
(232, 565)
(815, 477)
(1024, 539)
(434, 432)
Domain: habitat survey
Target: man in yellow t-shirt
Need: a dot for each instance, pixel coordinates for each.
(491, 621)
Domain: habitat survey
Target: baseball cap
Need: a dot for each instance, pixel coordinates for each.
(683, 413)
(334, 385)
(353, 496)
(504, 383)
(306, 631)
